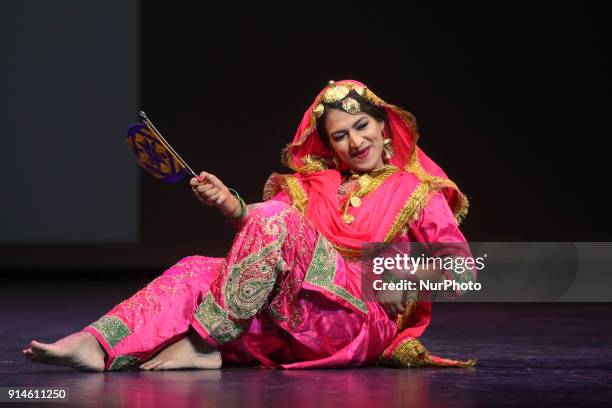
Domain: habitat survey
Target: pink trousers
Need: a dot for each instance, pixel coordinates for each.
(283, 297)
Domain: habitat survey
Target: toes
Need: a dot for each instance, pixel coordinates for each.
(159, 365)
(148, 364)
(37, 346)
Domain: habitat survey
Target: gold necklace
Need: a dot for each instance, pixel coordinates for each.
(368, 182)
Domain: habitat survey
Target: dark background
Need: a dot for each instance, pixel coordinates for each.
(511, 103)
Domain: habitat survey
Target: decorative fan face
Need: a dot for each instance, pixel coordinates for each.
(154, 154)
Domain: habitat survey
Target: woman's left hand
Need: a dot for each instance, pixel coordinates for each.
(391, 301)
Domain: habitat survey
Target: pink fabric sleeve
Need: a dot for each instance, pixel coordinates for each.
(437, 222)
(282, 196)
(438, 228)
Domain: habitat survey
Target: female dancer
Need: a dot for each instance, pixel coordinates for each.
(291, 292)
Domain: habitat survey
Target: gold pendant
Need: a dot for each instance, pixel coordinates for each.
(348, 218)
(355, 201)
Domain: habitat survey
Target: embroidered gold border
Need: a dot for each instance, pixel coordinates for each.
(299, 199)
(112, 329)
(123, 361)
(322, 273)
(216, 321)
(438, 183)
(291, 185)
(413, 354)
(411, 209)
(369, 184)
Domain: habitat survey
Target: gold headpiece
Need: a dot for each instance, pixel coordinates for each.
(351, 106)
(335, 93)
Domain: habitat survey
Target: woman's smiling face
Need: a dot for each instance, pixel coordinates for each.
(356, 139)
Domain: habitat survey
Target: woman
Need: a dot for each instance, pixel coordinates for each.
(290, 292)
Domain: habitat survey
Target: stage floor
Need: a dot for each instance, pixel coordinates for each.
(528, 354)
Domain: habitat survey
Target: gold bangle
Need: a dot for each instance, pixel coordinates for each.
(241, 203)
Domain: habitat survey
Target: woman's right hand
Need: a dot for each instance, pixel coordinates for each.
(212, 192)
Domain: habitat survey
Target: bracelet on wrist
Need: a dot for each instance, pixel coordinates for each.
(241, 203)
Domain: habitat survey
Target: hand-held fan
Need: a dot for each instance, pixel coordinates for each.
(154, 153)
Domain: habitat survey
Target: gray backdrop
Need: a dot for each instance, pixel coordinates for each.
(69, 83)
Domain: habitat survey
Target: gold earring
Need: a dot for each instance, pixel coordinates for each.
(387, 148)
(336, 162)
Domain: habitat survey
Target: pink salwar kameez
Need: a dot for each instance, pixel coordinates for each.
(289, 293)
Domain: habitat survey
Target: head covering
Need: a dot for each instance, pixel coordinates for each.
(307, 154)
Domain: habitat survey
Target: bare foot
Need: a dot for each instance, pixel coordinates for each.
(79, 350)
(189, 352)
